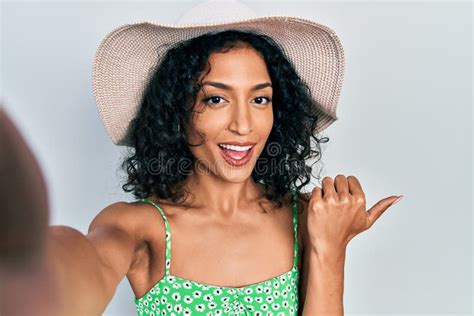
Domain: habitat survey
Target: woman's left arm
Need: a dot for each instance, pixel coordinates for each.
(325, 284)
(328, 286)
(336, 213)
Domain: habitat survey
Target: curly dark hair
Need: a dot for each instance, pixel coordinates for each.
(167, 106)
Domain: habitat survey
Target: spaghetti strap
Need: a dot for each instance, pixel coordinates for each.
(168, 235)
(295, 228)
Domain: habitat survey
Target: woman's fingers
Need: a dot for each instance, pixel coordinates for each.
(23, 199)
(317, 193)
(379, 208)
(341, 185)
(328, 188)
(23, 229)
(354, 186)
(337, 212)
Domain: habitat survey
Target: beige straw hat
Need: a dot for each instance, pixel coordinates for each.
(127, 55)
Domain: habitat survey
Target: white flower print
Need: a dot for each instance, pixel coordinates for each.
(225, 299)
(207, 297)
(188, 299)
(248, 299)
(176, 296)
(200, 307)
(217, 291)
(178, 308)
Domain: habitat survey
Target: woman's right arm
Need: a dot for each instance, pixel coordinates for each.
(88, 268)
(73, 274)
(54, 270)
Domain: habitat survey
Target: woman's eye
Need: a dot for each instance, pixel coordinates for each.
(213, 98)
(262, 97)
(217, 98)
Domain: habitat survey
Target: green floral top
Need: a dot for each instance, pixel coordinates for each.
(172, 295)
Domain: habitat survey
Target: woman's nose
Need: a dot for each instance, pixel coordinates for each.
(241, 120)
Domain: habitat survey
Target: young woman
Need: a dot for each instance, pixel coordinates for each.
(219, 144)
(231, 246)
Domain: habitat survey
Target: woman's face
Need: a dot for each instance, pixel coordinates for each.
(234, 105)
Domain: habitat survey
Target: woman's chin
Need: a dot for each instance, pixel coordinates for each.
(234, 173)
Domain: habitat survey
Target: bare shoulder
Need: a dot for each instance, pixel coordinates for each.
(116, 215)
(119, 233)
(124, 216)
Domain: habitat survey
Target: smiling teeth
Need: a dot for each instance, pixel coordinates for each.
(234, 147)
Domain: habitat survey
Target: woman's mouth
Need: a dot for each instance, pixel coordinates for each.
(236, 155)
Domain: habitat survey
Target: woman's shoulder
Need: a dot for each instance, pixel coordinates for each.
(137, 218)
(125, 212)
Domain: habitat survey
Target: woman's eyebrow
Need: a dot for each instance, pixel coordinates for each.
(227, 87)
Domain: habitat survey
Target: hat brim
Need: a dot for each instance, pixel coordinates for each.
(126, 57)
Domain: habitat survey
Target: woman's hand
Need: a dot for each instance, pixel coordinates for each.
(26, 286)
(337, 213)
(23, 199)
